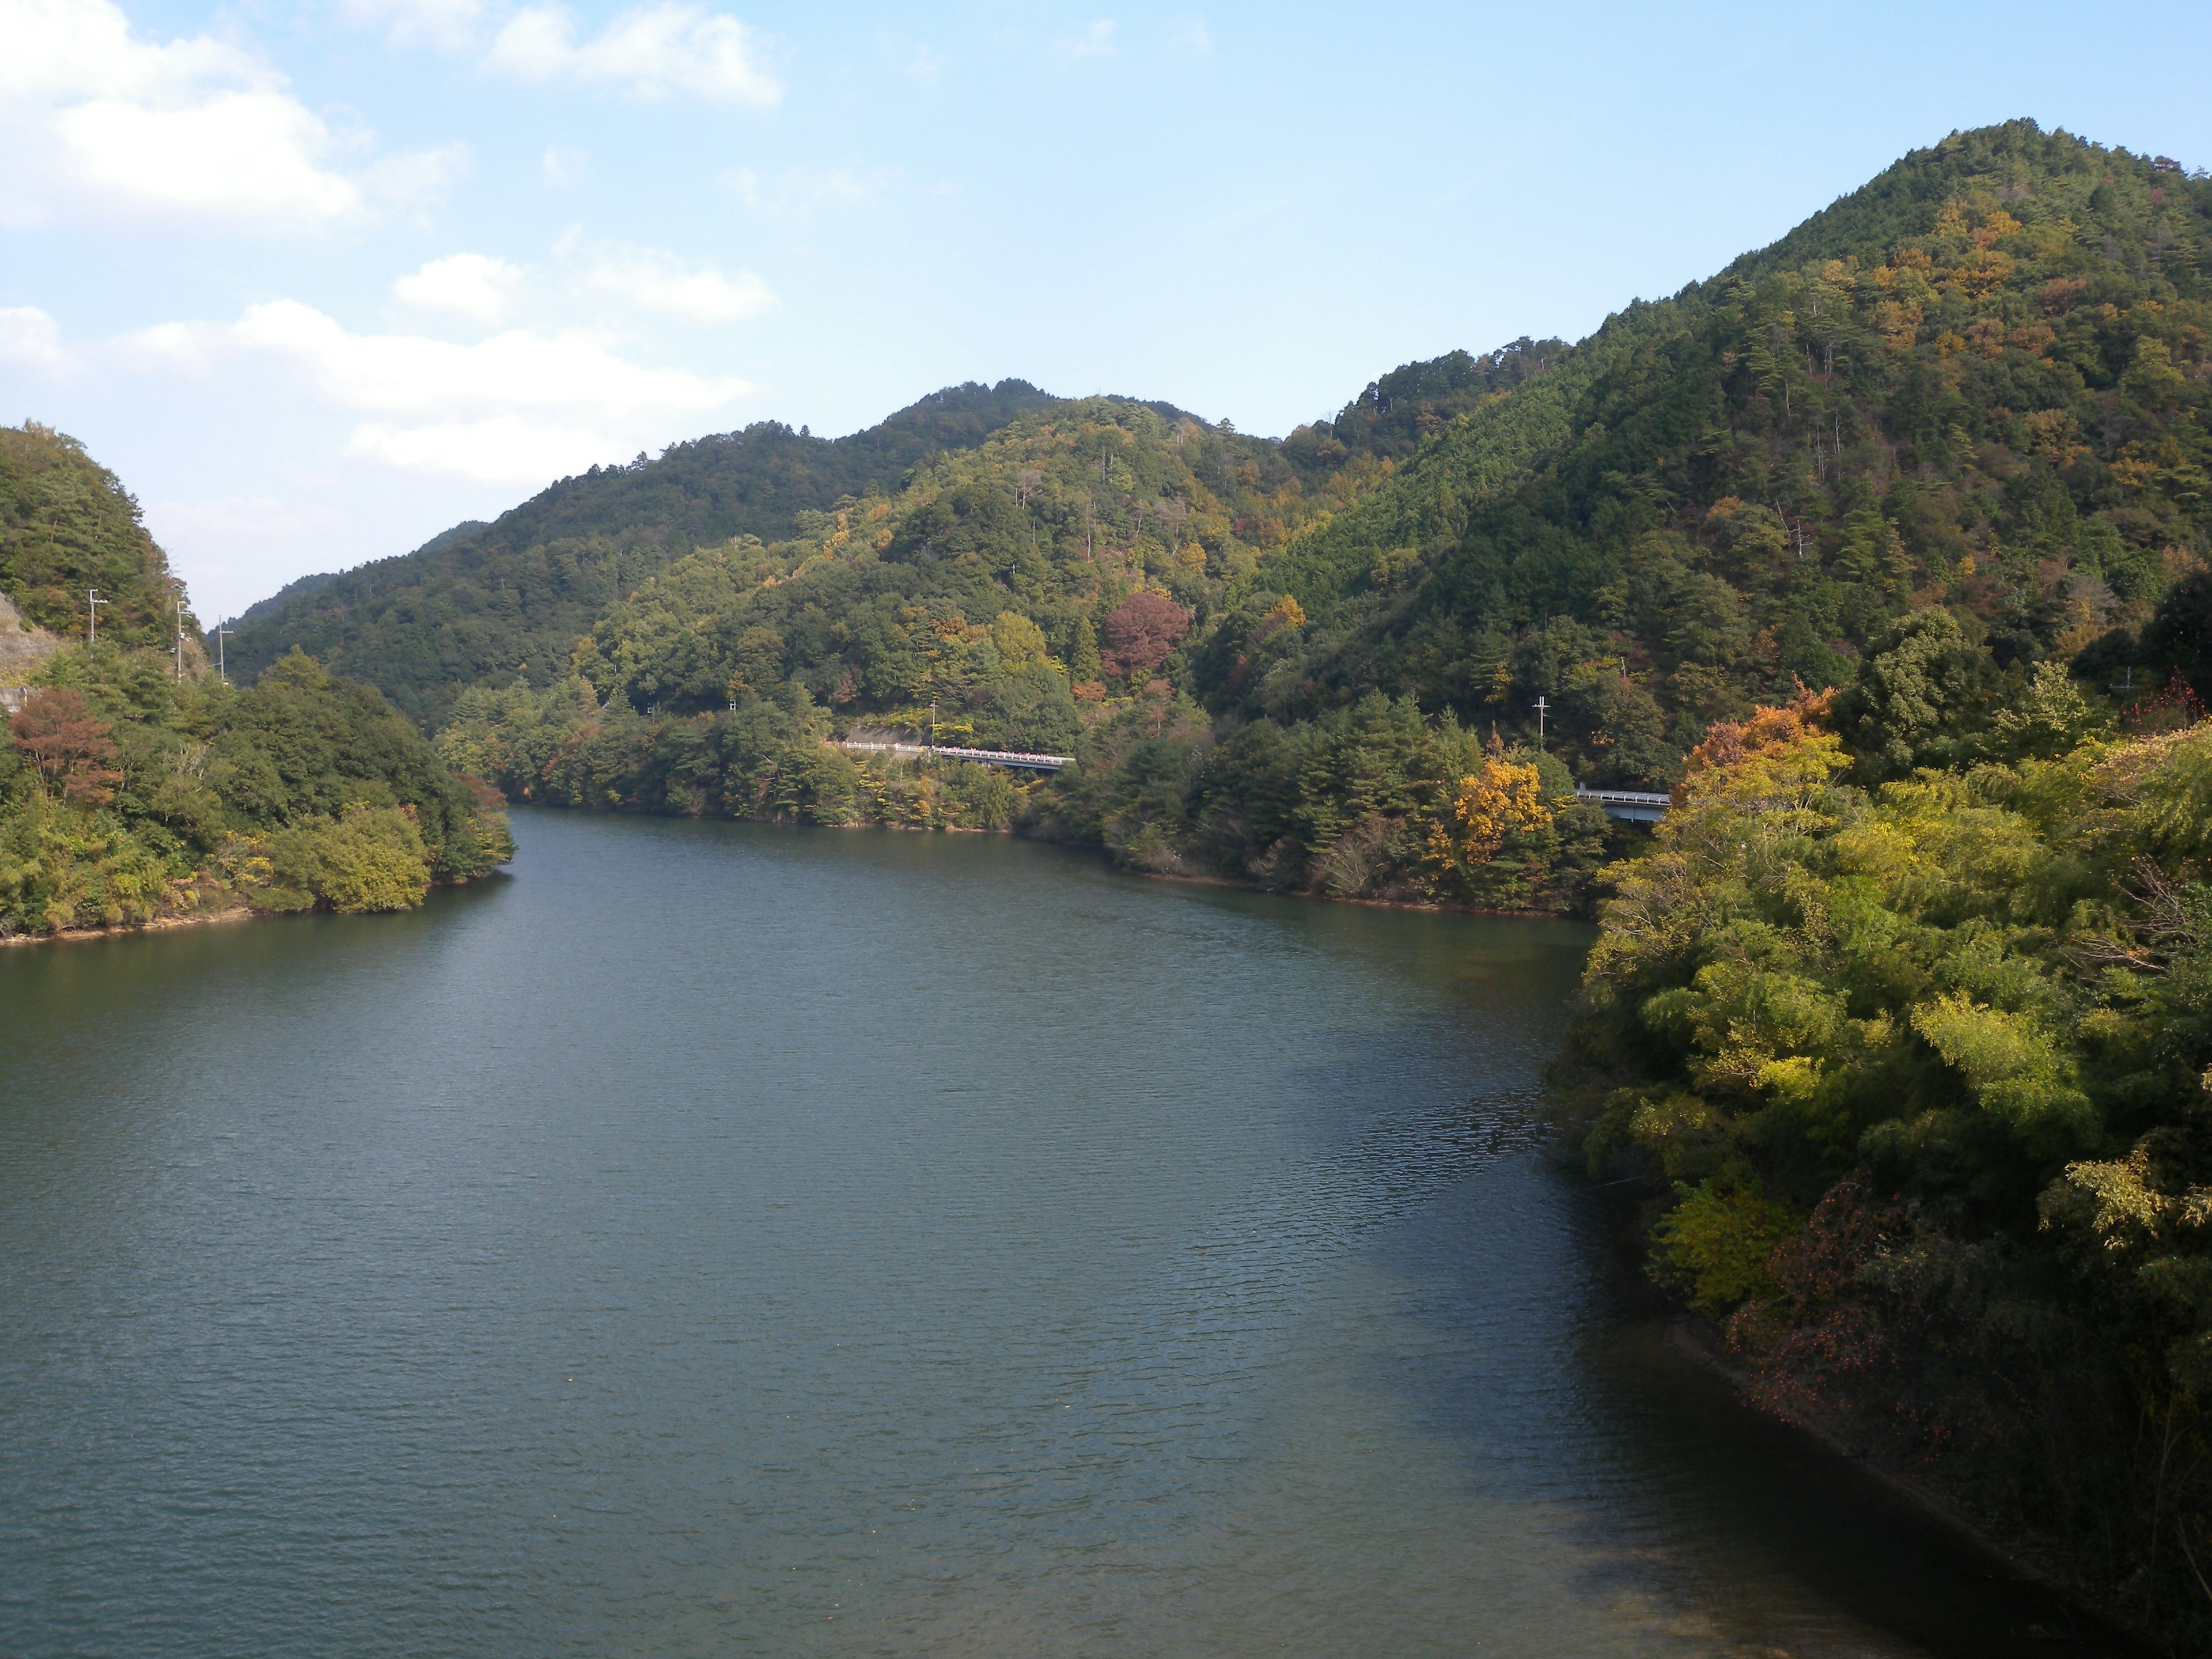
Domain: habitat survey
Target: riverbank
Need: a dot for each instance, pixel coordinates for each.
(152, 925)
(239, 912)
(2090, 1628)
(1019, 830)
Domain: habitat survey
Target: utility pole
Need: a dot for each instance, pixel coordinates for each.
(180, 637)
(92, 604)
(933, 723)
(1543, 709)
(222, 633)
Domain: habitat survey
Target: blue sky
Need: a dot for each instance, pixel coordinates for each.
(319, 281)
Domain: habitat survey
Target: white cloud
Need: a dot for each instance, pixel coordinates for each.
(658, 280)
(249, 154)
(410, 373)
(516, 408)
(562, 167)
(653, 50)
(1096, 41)
(505, 449)
(1189, 37)
(95, 122)
(796, 192)
(31, 339)
(473, 285)
(920, 64)
(417, 176)
(450, 24)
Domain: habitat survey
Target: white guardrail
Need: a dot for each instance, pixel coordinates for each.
(1635, 805)
(1631, 805)
(1009, 757)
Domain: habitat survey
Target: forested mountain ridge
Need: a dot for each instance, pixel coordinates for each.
(482, 602)
(489, 600)
(1977, 384)
(136, 785)
(876, 607)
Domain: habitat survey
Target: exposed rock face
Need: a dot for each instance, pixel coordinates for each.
(23, 646)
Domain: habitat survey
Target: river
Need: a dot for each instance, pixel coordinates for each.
(716, 1239)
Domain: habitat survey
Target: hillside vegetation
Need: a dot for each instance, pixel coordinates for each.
(133, 792)
(511, 596)
(1978, 383)
(68, 525)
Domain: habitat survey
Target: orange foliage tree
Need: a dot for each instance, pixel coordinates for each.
(70, 749)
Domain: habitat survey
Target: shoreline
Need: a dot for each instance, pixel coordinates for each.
(1697, 1340)
(156, 925)
(235, 913)
(1430, 906)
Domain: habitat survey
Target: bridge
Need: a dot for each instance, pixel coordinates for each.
(1013, 760)
(1631, 805)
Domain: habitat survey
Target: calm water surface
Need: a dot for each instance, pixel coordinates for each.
(720, 1240)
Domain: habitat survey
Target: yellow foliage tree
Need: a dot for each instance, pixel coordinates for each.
(1504, 798)
(1021, 642)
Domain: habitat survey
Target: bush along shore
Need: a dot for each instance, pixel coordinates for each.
(1915, 1067)
(134, 794)
(138, 788)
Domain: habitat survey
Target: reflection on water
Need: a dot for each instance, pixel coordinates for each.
(723, 1239)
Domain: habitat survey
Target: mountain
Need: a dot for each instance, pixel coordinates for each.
(1977, 384)
(480, 601)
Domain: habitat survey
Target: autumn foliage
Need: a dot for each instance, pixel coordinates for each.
(1504, 798)
(1140, 631)
(71, 751)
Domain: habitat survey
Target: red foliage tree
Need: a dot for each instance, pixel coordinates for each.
(1140, 631)
(70, 748)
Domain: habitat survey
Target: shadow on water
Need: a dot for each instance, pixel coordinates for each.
(1747, 1527)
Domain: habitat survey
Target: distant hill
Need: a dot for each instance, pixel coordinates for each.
(485, 601)
(1403, 409)
(306, 585)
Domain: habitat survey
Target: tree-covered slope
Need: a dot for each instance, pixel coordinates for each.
(130, 795)
(482, 601)
(136, 787)
(889, 602)
(1978, 383)
(67, 525)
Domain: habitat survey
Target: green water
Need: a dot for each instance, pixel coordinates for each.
(720, 1240)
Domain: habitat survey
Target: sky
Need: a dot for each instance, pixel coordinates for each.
(318, 282)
